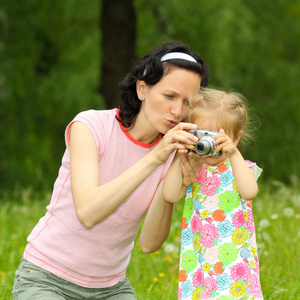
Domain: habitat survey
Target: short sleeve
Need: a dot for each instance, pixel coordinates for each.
(90, 119)
(256, 169)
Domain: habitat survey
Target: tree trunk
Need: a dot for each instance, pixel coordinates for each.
(118, 27)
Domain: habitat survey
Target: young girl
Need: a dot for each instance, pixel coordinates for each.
(218, 258)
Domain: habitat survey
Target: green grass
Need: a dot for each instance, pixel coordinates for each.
(154, 276)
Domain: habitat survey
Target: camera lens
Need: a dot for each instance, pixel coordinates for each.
(199, 147)
(203, 147)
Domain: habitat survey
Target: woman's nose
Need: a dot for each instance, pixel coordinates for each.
(177, 109)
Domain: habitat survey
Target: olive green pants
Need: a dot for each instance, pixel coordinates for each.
(34, 283)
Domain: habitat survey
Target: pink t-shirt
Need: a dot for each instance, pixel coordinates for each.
(96, 257)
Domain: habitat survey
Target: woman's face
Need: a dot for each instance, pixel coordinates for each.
(166, 103)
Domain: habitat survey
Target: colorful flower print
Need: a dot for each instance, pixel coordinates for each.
(195, 188)
(210, 232)
(223, 282)
(228, 253)
(250, 224)
(182, 275)
(211, 203)
(196, 242)
(255, 288)
(186, 236)
(204, 214)
(202, 175)
(189, 260)
(218, 215)
(239, 236)
(197, 205)
(210, 285)
(238, 289)
(225, 229)
(187, 289)
(218, 268)
(179, 293)
(227, 178)
(198, 278)
(222, 168)
(210, 185)
(240, 271)
(196, 224)
(184, 223)
(200, 258)
(229, 200)
(188, 208)
(245, 253)
(238, 219)
(219, 260)
(197, 294)
(211, 255)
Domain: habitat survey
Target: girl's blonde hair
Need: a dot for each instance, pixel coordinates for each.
(230, 109)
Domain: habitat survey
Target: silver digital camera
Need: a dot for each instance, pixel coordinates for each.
(206, 144)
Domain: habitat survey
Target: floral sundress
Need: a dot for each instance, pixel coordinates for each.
(218, 257)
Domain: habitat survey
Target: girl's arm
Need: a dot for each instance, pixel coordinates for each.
(244, 177)
(93, 202)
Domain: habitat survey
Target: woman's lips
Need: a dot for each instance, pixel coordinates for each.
(171, 123)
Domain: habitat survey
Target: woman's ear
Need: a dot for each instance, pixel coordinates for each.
(140, 89)
(237, 139)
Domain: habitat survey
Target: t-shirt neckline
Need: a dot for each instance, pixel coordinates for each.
(128, 135)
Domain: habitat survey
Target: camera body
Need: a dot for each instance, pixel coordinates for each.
(206, 144)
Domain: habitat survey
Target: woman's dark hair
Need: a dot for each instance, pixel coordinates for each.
(150, 69)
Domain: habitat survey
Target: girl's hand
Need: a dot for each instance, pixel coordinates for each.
(191, 165)
(225, 144)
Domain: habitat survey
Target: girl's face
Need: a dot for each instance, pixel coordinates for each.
(166, 103)
(212, 124)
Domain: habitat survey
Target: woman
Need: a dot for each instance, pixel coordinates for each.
(111, 176)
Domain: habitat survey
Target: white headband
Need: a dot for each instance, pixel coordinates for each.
(175, 55)
(178, 55)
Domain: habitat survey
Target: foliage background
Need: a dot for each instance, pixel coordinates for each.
(50, 68)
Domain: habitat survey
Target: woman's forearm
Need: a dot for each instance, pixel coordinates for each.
(157, 223)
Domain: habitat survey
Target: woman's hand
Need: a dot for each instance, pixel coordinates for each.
(191, 165)
(178, 138)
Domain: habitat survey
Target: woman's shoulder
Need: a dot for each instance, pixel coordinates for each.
(93, 113)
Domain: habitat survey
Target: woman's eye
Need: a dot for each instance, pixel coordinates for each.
(169, 96)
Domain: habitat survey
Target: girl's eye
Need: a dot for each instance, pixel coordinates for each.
(187, 102)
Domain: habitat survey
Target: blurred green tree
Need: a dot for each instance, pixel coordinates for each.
(53, 56)
(118, 28)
